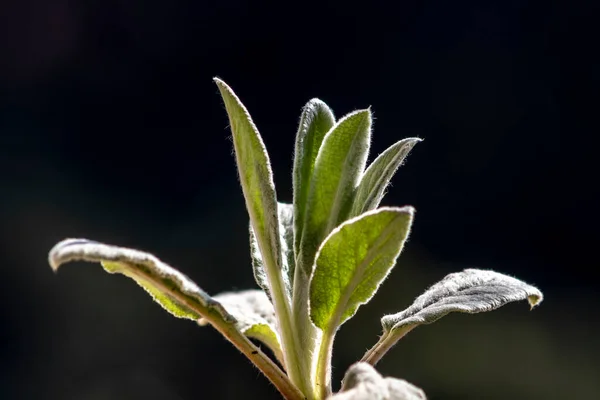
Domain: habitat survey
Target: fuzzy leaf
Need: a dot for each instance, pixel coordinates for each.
(174, 291)
(376, 178)
(470, 291)
(286, 234)
(254, 316)
(338, 167)
(316, 120)
(257, 183)
(363, 382)
(353, 261)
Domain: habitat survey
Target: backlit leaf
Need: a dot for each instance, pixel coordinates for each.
(338, 167)
(316, 120)
(376, 178)
(353, 261)
(257, 183)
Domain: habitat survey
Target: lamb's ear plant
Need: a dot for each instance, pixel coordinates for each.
(316, 260)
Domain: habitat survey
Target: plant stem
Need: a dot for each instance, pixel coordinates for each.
(386, 342)
(322, 382)
(307, 332)
(216, 316)
(296, 366)
(243, 344)
(257, 357)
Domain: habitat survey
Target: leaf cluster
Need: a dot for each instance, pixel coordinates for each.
(316, 260)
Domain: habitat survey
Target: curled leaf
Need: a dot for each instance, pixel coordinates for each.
(376, 178)
(286, 234)
(470, 291)
(174, 291)
(254, 316)
(363, 382)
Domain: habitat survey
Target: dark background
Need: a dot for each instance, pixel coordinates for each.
(111, 129)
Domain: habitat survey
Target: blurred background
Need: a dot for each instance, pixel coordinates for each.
(112, 129)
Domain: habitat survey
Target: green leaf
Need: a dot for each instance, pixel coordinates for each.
(470, 291)
(376, 178)
(254, 316)
(363, 382)
(353, 261)
(316, 120)
(256, 179)
(338, 167)
(174, 291)
(286, 233)
(257, 183)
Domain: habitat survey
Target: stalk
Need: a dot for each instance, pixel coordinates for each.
(296, 366)
(385, 343)
(322, 383)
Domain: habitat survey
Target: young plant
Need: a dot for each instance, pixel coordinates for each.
(316, 260)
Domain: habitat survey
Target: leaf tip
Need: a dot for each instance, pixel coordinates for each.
(535, 299)
(58, 254)
(409, 210)
(364, 113)
(316, 108)
(315, 102)
(414, 140)
(54, 264)
(223, 87)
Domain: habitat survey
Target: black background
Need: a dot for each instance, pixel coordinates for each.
(111, 129)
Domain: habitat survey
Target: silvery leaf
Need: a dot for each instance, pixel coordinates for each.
(470, 291)
(174, 291)
(254, 316)
(363, 382)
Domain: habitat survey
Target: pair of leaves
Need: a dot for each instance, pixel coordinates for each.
(363, 382)
(250, 311)
(316, 121)
(340, 161)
